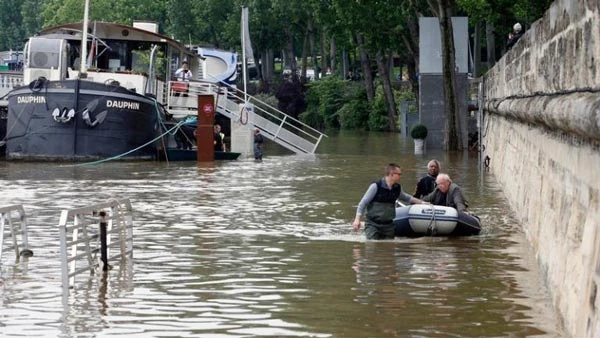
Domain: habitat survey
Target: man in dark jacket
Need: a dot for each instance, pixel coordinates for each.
(447, 194)
(427, 183)
(379, 204)
(258, 144)
(514, 36)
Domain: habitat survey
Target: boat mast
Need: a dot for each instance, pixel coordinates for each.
(83, 67)
(244, 59)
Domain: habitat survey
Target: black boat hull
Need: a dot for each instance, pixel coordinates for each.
(192, 155)
(79, 120)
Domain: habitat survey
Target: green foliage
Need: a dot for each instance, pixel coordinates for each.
(354, 113)
(58, 12)
(378, 117)
(10, 33)
(404, 94)
(143, 62)
(277, 25)
(334, 103)
(270, 100)
(418, 131)
(324, 99)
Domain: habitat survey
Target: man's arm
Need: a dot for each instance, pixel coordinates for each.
(366, 199)
(406, 198)
(459, 200)
(429, 197)
(420, 188)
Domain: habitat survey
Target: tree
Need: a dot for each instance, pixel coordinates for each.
(443, 10)
(11, 34)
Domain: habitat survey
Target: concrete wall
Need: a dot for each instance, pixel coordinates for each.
(542, 133)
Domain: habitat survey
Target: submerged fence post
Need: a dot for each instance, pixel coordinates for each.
(6, 219)
(103, 245)
(1, 236)
(96, 247)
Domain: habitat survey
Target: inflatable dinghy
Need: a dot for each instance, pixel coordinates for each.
(434, 220)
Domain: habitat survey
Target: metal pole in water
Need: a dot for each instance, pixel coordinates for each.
(2, 215)
(103, 247)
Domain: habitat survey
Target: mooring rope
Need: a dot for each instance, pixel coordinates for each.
(132, 150)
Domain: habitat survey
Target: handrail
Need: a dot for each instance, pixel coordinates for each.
(276, 125)
(252, 98)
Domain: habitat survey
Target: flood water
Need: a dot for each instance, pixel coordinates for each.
(266, 249)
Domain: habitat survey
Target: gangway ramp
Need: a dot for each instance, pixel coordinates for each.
(233, 103)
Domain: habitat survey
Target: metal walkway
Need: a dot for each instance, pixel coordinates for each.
(275, 125)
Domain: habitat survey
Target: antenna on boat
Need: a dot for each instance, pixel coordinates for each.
(83, 67)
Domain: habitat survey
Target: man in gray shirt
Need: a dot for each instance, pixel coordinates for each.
(379, 201)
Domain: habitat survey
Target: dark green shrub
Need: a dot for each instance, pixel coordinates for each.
(418, 131)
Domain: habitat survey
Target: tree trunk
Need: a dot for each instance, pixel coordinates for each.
(412, 46)
(453, 139)
(291, 58)
(266, 69)
(344, 63)
(491, 48)
(304, 54)
(413, 78)
(477, 50)
(390, 102)
(269, 67)
(332, 54)
(365, 63)
(324, 52)
(313, 50)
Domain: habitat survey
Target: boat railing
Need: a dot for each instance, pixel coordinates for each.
(275, 125)
(9, 81)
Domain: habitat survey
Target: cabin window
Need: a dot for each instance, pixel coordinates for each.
(113, 58)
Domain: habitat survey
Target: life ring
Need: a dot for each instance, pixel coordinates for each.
(243, 120)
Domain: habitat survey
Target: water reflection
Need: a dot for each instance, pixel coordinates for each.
(247, 249)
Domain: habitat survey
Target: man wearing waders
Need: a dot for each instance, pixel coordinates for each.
(379, 201)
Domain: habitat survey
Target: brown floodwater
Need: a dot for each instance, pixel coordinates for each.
(266, 249)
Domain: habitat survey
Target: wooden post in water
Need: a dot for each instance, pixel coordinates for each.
(204, 131)
(103, 242)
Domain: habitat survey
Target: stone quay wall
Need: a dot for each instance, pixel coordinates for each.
(541, 130)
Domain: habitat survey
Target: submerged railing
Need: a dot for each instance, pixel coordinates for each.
(14, 217)
(86, 238)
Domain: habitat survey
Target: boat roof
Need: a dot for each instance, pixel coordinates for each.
(113, 31)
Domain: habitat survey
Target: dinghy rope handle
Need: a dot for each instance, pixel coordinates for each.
(431, 228)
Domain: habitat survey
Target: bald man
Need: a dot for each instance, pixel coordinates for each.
(447, 194)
